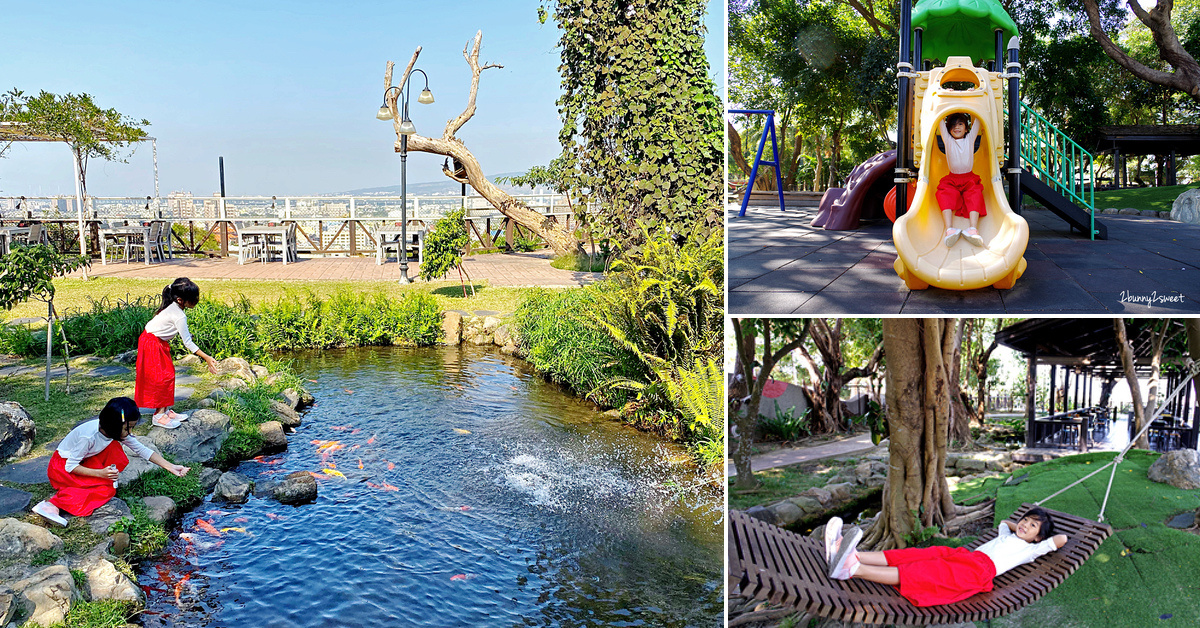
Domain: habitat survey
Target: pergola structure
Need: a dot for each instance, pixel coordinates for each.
(1086, 351)
(1173, 141)
(11, 132)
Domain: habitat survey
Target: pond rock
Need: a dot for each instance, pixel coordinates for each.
(452, 327)
(290, 398)
(233, 383)
(822, 496)
(218, 394)
(233, 488)
(259, 371)
(808, 505)
(138, 466)
(46, 596)
(103, 517)
(22, 540)
(105, 582)
(195, 440)
(296, 488)
(206, 403)
(1129, 211)
(786, 513)
(272, 379)
(1186, 207)
(762, 514)
(208, 478)
(491, 323)
(8, 607)
(287, 416)
(273, 437)
(840, 491)
(1179, 468)
(238, 367)
(306, 400)
(503, 335)
(16, 431)
(190, 359)
(159, 508)
(129, 357)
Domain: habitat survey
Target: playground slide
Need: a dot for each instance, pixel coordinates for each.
(865, 188)
(923, 260)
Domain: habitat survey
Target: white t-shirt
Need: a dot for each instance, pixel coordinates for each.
(960, 154)
(86, 441)
(1008, 550)
(172, 322)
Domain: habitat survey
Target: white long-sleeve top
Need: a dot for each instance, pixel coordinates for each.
(172, 322)
(960, 154)
(1008, 550)
(86, 441)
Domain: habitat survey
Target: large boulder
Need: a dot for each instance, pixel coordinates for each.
(259, 371)
(16, 431)
(296, 488)
(273, 437)
(503, 335)
(238, 367)
(46, 596)
(233, 488)
(452, 327)
(287, 416)
(105, 582)
(1186, 207)
(160, 508)
(129, 357)
(208, 478)
(190, 359)
(1179, 468)
(22, 540)
(233, 383)
(103, 517)
(290, 398)
(786, 513)
(195, 440)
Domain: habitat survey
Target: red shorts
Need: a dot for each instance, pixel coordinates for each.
(962, 193)
(941, 575)
(154, 384)
(81, 495)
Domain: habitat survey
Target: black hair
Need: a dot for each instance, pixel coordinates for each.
(183, 289)
(1046, 529)
(955, 118)
(116, 414)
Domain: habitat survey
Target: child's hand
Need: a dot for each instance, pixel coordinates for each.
(212, 366)
(179, 470)
(110, 473)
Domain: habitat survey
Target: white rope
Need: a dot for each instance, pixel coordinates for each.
(1192, 370)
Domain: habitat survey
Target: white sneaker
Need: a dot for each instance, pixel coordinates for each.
(163, 421)
(833, 533)
(972, 235)
(850, 569)
(49, 512)
(845, 551)
(952, 236)
(175, 416)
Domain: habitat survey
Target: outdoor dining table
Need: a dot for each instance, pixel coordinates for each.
(393, 234)
(8, 233)
(267, 232)
(121, 232)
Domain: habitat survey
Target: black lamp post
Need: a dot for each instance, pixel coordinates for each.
(406, 129)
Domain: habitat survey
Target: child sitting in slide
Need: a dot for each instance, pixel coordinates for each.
(942, 575)
(960, 193)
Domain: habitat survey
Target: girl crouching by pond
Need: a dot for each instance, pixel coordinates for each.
(87, 462)
(927, 576)
(154, 386)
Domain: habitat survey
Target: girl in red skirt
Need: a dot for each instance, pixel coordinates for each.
(87, 462)
(960, 193)
(942, 575)
(154, 386)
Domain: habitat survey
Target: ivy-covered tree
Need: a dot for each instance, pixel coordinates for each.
(641, 117)
(28, 272)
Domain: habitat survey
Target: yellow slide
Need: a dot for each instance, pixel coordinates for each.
(923, 260)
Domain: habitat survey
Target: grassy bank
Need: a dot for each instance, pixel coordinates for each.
(1158, 199)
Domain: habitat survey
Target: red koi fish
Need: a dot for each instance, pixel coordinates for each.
(371, 441)
(164, 575)
(348, 391)
(207, 526)
(461, 576)
(391, 466)
(261, 460)
(340, 428)
(179, 586)
(389, 487)
(244, 520)
(354, 431)
(274, 517)
(464, 509)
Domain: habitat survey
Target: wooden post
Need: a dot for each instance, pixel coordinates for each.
(1053, 389)
(508, 233)
(1030, 397)
(224, 227)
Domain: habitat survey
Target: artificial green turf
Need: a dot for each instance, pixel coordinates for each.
(1159, 199)
(1145, 574)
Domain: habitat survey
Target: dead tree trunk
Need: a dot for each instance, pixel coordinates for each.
(919, 418)
(556, 235)
(1135, 391)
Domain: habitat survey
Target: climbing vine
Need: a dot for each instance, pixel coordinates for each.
(641, 117)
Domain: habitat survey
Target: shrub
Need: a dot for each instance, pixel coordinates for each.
(109, 328)
(186, 490)
(22, 340)
(444, 245)
(225, 330)
(785, 425)
(417, 319)
(146, 537)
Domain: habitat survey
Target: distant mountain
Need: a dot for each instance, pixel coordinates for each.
(444, 187)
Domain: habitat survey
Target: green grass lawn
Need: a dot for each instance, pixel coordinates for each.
(75, 293)
(781, 483)
(1145, 574)
(1159, 199)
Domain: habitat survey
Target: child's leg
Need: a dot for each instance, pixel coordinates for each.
(873, 558)
(948, 218)
(974, 220)
(875, 573)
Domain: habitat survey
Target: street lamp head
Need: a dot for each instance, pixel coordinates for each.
(384, 113)
(407, 128)
(426, 97)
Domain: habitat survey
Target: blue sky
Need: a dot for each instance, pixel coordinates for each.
(285, 91)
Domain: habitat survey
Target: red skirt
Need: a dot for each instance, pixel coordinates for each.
(81, 495)
(941, 575)
(962, 193)
(154, 385)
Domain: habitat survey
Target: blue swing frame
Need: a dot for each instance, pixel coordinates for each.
(758, 160)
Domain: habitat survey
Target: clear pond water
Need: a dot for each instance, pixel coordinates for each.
(475, 494)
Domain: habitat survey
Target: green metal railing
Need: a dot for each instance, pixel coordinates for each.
(1058, 161)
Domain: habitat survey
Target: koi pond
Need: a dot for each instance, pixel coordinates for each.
(475, 494)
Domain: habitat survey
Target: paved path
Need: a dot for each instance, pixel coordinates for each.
(778, 264)
(796, 455)
(498, 269)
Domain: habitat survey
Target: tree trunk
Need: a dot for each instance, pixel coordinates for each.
(1193, 340)
(560, 239)
(829, 416)
(735, 149)
(918, 415)
(1135, 391)
(1160, 340)
(1185, 74)
(960, 412)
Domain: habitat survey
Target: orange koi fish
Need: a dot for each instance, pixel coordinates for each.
(371, 441)
(360, 464)
(318, 475)
(354, 447)
(313, 381)
(331, 465)
(207, 526)
(461, 576)
(354, 431)
(348, 391)
(389, 487)
(391, 466)
(179, 586)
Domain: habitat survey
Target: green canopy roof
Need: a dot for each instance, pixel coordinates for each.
(961, 28)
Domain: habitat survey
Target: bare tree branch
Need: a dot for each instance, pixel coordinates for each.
(1186, 74)
(473, 60)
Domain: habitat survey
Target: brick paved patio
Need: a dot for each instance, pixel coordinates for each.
(498, 269)
(778, 264)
